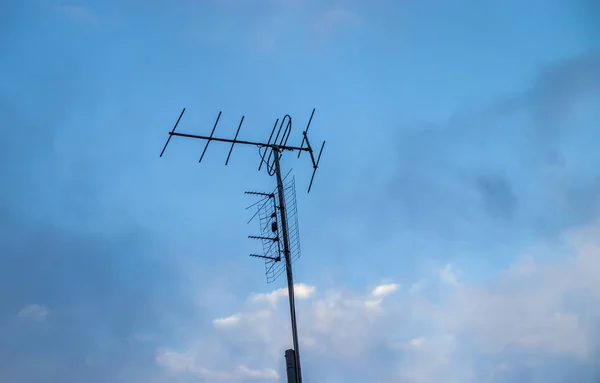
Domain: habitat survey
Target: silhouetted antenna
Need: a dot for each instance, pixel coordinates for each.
(277, 211)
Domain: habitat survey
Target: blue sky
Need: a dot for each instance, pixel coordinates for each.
(451, 234)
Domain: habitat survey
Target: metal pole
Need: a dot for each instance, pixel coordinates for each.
(290, 366)
(288, 262)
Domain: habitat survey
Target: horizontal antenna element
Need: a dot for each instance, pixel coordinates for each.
(278, 259)
(278, 141)
(269, 195)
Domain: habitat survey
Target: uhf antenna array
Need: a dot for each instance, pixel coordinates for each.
(280, 239)
(269, 216)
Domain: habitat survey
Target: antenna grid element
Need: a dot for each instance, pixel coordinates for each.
(269, 217)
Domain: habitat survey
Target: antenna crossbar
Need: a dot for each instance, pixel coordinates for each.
(274, 239)
(269, 195)
(243, 142)
(276, 259)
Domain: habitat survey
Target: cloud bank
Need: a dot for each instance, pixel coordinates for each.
(537, 314)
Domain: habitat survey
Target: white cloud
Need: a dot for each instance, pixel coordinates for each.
(538, 307)
(228, 321)
(301, 291)
(188, 364)
(237, 319)
(271, 297)
(34, 313)
(384, 290)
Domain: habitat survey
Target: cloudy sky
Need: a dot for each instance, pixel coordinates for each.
(452, 234)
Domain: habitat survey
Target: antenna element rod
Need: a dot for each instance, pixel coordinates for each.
(172, 131)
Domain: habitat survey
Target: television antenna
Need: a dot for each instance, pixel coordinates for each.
(277, 236)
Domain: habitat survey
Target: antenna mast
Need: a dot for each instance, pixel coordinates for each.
(273, 211)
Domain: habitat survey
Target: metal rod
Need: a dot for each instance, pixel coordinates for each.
(263, 238)
(259, 144)
(270, 195)
(310, 151)
(287, 131)
(275, 141)
(290, 364)
(276, 259)
(172, 131)
(315, 167)
(209, 139)
(288, 263)
(262, 157)
(234, 140)
(306, 131)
